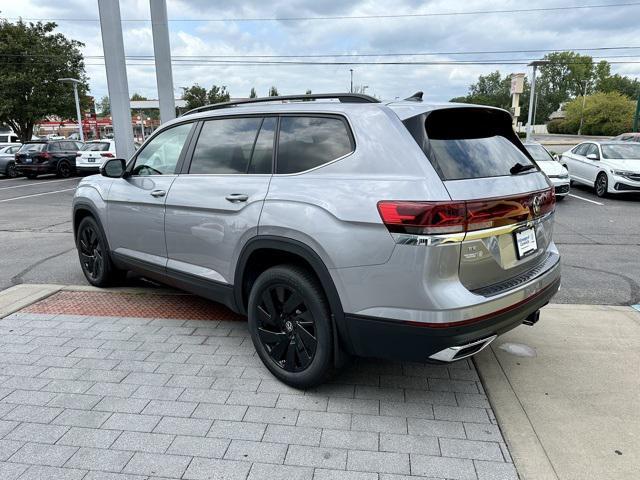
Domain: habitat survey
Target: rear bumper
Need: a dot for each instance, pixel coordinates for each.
(35, 168)
(560, 185)
(87, 168)
(409, 341)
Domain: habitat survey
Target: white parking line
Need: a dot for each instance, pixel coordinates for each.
(36, 195)
(585, 199)
(37, 183)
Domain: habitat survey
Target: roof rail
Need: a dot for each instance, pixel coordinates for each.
(342, 97)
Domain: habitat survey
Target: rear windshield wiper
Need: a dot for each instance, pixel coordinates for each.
(519, 168)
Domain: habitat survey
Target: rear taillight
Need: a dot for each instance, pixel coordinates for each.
(423, 217)
(108, 155)
(428, 218)
(44, 156)
(78, 155)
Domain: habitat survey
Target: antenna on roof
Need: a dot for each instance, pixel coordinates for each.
(416, 97)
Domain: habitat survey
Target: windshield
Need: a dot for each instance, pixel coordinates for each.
(33, 147)
(95, 147)
(539, 153)
(627, 151)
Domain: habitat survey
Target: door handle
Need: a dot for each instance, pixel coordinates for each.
(237, 197)
(158, 193)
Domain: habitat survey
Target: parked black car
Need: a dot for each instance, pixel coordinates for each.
(47, 156)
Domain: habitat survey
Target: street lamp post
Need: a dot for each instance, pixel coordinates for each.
(532, 94)
(584, 101)
(351, 88)
(75, 83)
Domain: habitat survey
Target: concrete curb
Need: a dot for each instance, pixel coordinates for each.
(529, 457)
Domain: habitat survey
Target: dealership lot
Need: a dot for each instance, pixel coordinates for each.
(598, 240)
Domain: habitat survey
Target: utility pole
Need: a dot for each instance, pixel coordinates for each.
(636, 119)
(75, 83)
(113, 46)
(584, 101)
(162, 54)
(532, 94)
(351, 88)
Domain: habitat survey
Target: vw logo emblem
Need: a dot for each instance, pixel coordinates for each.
(536, 204)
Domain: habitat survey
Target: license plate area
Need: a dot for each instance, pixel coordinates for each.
(526, 242)
(91, 160)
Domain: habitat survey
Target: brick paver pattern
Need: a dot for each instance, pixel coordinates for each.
(131, 398)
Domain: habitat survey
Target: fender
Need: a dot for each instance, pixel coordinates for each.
(319, 268)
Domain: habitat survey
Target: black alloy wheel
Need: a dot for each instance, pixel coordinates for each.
(64, 169)
(602, 185)
(91, 252)
(286, 328)
(11, 170)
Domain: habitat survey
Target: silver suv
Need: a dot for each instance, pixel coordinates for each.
(340, 225)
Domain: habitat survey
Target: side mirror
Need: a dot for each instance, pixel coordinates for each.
(113, 168)
(593, 156)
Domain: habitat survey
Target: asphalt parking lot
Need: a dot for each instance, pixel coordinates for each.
(598, 240)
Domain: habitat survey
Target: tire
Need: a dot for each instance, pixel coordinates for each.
(63, 169)
(11, 171)
(93, 253)
(31, 176)
(602, 185)
(290, 325)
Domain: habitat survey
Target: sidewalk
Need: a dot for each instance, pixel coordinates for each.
(571, 412)
(168, 386)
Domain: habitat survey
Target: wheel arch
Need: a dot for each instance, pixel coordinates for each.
(263, 252)
(82, 210)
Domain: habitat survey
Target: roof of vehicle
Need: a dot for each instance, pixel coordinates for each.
(324, 104)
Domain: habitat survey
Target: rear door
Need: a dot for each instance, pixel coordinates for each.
(590, 166)
(214, 206)
(136, 203)
(507, 198)
(576, 159)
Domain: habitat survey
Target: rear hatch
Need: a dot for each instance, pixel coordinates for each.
(94, 154)
(30, 153)
(507, 201)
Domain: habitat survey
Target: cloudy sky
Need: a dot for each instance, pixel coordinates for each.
(196, 31)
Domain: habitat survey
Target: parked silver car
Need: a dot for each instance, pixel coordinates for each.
(8, 160)
(402, 230)
(609, 167)
(553, 169)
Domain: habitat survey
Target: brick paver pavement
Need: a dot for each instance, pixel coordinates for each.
(124, 398)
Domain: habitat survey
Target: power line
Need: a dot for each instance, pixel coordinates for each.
(351, 17)
(348, 55)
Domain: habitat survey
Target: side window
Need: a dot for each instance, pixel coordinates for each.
(592, 149)
(70, 146)
(54, 147)
(160, 156)
(225, 146)
(308, 142)
(262, 157)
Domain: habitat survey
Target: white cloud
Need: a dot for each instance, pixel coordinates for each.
(613, 26)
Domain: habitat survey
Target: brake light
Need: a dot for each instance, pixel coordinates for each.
(78, 154)
(108, 155)
(428, 218)
(44, 156)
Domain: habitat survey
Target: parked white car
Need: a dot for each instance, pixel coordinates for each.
(93, 154)
(556, 172)
(609, 167)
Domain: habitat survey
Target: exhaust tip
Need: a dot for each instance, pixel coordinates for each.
(459, 352)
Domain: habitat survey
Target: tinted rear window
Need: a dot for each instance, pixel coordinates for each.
(308, 142)
(464, 143)
(33, 147)
(95, 147)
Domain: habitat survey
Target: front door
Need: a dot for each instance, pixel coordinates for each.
(135, 206)
(213, 208)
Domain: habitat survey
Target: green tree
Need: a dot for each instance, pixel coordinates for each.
(136, 96)
(253, 93)
(195, 96)
(104, 106)
(608, 113)
(218, 94)
(273, 92)
(32, 59)
(494, 90)
(308, 92)
(621, 84)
